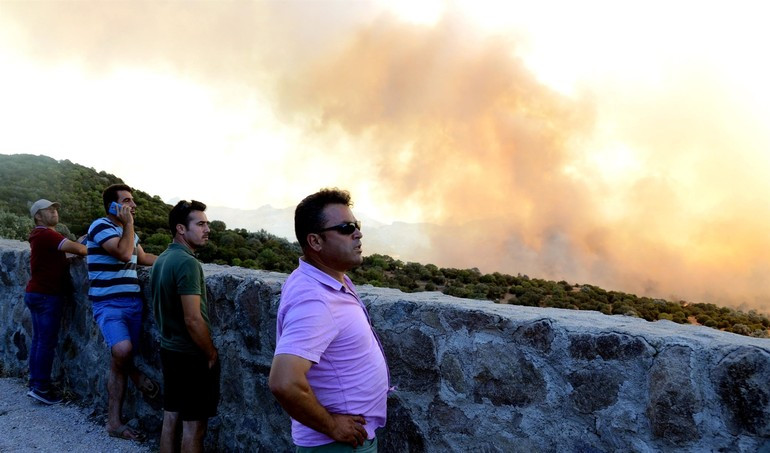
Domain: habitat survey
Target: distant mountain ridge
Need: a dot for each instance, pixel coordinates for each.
(379, 237)
(277, 221)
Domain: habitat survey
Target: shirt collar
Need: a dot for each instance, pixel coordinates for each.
(174, 245)
(324, 278)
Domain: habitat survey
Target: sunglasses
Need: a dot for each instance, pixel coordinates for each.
(345, 228)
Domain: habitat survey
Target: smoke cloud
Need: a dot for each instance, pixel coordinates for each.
(458, 126)
(654, 189)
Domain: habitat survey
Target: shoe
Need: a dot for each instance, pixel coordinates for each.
(49, 396)
(148, 387)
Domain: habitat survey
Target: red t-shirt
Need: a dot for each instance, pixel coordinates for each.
(49, 265)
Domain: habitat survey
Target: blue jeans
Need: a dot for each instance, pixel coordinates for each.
(46, 311)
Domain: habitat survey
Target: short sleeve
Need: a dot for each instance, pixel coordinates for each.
(187, 277)
(101, 232)
(307, 330)
(51, 240)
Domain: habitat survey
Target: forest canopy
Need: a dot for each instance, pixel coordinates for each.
(26, 178)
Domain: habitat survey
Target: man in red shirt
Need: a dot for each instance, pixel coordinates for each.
(44, 295)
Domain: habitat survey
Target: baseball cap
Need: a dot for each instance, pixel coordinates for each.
(41, 204)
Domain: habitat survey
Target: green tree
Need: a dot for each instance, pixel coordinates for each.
(13, 226)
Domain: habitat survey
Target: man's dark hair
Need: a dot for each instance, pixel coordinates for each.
(110, 194)
(180, 214)
(309, 218)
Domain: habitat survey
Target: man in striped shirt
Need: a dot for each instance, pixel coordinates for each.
(113, 254)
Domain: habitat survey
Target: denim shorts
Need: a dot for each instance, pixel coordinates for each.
(120, 319)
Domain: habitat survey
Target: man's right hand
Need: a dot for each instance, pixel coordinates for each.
(213, 358)
(125, 214)
(349, 429)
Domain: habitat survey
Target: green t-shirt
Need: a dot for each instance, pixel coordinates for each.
(175, 273)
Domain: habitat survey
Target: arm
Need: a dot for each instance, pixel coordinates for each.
(196, 326)
(77, 248)
(288, 382)
(123, 247)
(143, 258)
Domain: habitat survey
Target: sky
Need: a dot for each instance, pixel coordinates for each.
(621, 144)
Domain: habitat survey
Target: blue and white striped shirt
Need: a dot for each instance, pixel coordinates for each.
(109, 277)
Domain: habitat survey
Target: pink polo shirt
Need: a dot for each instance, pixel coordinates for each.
(320, 320)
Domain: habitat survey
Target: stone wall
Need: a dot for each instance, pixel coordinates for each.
(470, 375)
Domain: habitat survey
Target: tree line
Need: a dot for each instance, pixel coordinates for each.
(382, 270)
(26, 178)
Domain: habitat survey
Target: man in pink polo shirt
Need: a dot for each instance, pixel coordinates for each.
(329, 371)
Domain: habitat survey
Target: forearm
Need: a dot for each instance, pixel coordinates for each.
(201, 336)
(288, 382)
(146, 259)
(300, 403)
(73, 247)
(125, 247)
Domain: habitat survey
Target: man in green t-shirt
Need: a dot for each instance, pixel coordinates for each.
(189, 359)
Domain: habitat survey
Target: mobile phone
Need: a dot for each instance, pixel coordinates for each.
(114, 208)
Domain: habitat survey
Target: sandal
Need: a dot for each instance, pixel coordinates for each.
(126, 432)
(148, 387)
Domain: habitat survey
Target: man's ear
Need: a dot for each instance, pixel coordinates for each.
(180, 229)
(314, 241)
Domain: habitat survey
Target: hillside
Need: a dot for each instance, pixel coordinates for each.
(25, 178)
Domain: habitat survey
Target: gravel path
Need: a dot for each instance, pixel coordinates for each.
(29, 426)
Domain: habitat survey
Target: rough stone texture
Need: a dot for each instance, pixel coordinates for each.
(673, 398)
(594, 389)
(469, 375)
(744, 390)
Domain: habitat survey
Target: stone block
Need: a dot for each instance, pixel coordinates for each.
(504, 376)
(608, 346)
(594, 389)
(673, 397)
(537, 335)
(411, 357)
(744, 389)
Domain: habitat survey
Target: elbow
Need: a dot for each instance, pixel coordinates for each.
(280, 387)
(191, 323)
(276, 386)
